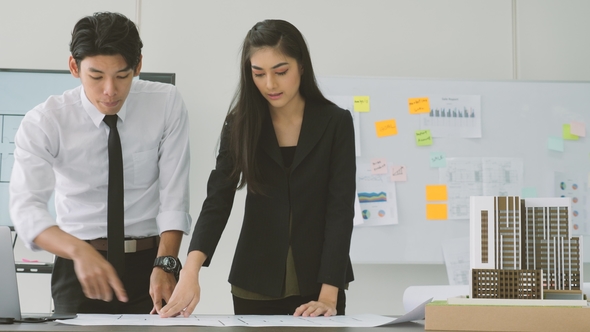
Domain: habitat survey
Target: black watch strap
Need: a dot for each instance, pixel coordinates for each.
(169, 264)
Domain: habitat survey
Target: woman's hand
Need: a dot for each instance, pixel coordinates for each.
(187, 292)
(325, 305)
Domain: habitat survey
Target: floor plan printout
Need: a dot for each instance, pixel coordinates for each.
(467, 177)
(362, 320)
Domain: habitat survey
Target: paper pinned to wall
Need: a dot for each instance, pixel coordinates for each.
(347, 103)
(453, 116)
(456, 255)
(377, 197)
(467, 177)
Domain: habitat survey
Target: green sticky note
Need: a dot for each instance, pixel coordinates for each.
(529, 192)
(567, 133)
(555, 144)
(423, 137)
(438, 159)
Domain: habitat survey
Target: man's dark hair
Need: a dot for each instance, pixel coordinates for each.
(106, 34)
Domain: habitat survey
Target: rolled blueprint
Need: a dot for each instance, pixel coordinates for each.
(415, 295)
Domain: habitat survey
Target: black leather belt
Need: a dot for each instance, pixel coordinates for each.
(131, 245)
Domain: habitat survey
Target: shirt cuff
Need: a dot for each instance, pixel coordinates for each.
(174, 221)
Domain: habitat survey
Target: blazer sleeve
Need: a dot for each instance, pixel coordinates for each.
(335, 260)
(218, 204)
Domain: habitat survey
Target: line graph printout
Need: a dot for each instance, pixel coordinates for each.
(377, 197)
(453, 116)
(467, 177)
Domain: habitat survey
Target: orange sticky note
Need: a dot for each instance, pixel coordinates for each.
(436, 211)
(436, 192)
(419, 105)
(362, 104)
(386, 128)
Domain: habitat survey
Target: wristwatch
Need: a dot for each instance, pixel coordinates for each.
(169, 264)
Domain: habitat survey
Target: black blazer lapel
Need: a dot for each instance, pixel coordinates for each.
(315, 122)
(269, 142)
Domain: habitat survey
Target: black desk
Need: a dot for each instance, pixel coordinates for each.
(33, 268)
(52, 326)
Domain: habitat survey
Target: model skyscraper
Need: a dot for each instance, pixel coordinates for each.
(524, 249)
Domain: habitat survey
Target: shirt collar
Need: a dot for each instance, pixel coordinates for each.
(94, 113)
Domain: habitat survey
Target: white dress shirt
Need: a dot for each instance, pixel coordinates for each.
(61, 145)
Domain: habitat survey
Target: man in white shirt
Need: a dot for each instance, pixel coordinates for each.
(61, 147)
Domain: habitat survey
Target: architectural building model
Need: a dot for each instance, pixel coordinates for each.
(523, 249)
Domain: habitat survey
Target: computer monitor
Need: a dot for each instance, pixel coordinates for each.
(20, 91)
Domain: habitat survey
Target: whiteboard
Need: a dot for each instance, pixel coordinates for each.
(517, 119)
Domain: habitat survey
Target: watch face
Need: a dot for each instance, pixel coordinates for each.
(167, 263)
(170, 263)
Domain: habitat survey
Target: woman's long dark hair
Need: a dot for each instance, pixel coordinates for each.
(249, 108)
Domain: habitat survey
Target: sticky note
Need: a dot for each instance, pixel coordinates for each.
(578, 128)
(567, 133)
(423, 137)
(436, 211)
(378, 166)
(555, 144)
(528, 192)
(361, 104)
(398, 173)
(419, 105)
(436, 192)
(386, 128)
(438, 159)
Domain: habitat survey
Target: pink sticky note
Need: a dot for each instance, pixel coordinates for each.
(398, 173)
(378, 166)
(578, 128)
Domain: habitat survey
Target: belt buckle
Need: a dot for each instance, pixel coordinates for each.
(130, 246)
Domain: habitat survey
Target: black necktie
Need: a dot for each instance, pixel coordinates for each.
(115, 208)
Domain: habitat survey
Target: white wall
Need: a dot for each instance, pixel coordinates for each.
(200, 40)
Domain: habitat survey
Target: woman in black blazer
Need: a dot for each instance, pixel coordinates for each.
(294, 149)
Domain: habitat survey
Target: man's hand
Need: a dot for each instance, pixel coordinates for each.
(97, 276)
(162, 283)
(161, 287)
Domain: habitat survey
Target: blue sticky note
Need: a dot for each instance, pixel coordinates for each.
(438, 159)
(529, 192)
(555, 144)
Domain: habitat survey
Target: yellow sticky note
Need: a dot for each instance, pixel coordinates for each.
(419, 105)
(567, 133)
(436, 192)
(436, 211)
(361, 104)
(386, 128)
